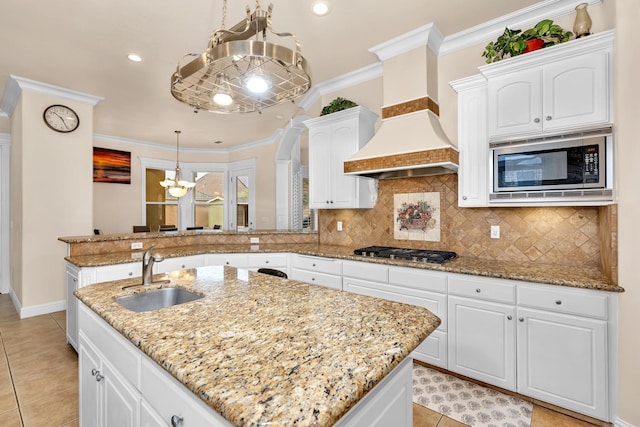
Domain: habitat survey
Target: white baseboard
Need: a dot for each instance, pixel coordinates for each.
(620, 423)
(38, 309)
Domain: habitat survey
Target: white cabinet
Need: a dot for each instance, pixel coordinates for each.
(482, 332)
(473, 143)
(333, 139)
(178, 263)
(230, 259)
(106, 398)
(268, 260)
(316, 270)
(550, 91)
(562, 358)
(409, 286)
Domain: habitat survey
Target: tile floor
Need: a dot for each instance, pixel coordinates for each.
(39, 377)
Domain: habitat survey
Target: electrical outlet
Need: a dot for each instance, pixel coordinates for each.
(136, 245)
(254, 240)
(495, 231)
(339, 225)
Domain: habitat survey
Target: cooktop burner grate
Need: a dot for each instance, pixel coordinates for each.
(418, 255)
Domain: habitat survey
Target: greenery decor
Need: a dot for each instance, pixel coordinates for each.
(337, 104)
(514, 42)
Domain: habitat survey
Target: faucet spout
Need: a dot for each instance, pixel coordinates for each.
(148, 260)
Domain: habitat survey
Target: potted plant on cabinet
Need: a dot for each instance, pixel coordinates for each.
(515, 42)
(337, 104)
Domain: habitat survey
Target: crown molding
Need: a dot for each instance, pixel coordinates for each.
(275, 137)
(426, 35)
(16, 84)
(522, 18)
(352, 78)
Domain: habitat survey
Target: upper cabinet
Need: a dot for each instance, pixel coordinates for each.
(333, 139)
(563, 88)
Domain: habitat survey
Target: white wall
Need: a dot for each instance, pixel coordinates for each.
(627, 94)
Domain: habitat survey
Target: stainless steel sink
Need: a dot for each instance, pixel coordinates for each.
(156, 299)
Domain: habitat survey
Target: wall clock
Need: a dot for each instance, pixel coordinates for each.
(61, 118)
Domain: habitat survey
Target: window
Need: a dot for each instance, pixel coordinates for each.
(207, 205)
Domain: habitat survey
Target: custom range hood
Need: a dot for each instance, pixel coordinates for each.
(410, 141)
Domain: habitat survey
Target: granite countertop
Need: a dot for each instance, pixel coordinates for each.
(260, 349)
(561, 275)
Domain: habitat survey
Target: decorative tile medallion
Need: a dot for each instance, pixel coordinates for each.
(417, 216)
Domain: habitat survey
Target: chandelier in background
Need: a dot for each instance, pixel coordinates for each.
(240, 72)
(177, 187)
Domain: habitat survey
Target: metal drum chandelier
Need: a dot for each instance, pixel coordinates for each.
(240, 72)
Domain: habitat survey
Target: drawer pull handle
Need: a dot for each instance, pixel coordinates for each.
(509, 317)
(558, 302)
(521, 319)
(478, 290)
(176, 421)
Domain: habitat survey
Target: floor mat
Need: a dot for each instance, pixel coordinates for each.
(467, 402)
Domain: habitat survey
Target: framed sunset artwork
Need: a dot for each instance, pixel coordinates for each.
(111, 166)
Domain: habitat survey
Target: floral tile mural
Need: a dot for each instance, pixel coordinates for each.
(417, 216)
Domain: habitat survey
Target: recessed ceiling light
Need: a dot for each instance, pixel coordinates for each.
(279, 116)
(134, 57)
(217, 142)
(320, 7)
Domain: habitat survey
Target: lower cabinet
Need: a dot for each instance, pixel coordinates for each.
(316, 270)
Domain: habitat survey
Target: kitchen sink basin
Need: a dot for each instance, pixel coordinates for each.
(156, 299)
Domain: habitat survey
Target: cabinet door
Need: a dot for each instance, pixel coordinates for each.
(320, 167)
(473, 173)
(562, 359)
(576, 92)
(343, 145)
(482, 341)
(72, 307)
(121, 403)
(89, 388)
(515, 103)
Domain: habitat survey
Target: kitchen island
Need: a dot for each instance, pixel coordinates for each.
(261, 350)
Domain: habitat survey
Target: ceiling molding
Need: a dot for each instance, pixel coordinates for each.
(16, 84)
(128, 141)
(426, 35)
(347, 80)
(522, 18)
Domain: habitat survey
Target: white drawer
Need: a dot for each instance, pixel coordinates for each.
(168, 398)
(483, 288)
(366, 271)
(418, 279)
(322, 265)
(118, 272)
(232, 260)
(267, 260)
(179, 263)
(433, 350)
(571, 301)
(316, 278)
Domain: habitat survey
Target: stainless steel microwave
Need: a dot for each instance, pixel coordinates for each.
(533, 169)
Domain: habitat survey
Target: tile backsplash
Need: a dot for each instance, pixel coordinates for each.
(554, 235)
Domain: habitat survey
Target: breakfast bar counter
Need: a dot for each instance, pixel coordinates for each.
(260, 350)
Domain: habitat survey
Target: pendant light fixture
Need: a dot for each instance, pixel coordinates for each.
(177, 187)
(240, 72)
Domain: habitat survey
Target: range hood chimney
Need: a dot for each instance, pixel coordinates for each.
(410, 141)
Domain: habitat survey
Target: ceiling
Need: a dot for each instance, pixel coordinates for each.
(83, 45)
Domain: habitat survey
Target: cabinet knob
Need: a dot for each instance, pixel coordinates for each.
(176, 421)
(332, 202)
(314, 264)
(227, 262)
(327, 202)
(478, 290)
(464, 197)
(184, 266)
(547, 118)
(558, 302)
(96, 373)
(536, 120)
(521, 319)
(509, 317)
(75, 280)
(266, 262)
(313, 279)
(130, 273)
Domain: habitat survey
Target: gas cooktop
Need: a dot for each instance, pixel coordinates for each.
(418, 255)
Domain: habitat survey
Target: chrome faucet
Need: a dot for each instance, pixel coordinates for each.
(147, 265)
